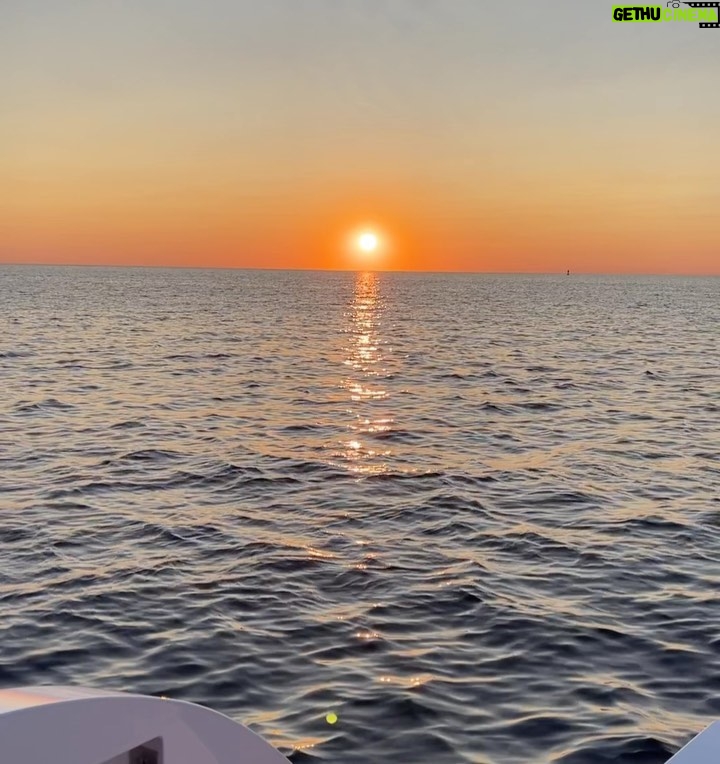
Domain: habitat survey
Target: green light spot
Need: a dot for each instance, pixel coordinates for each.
(331, 718)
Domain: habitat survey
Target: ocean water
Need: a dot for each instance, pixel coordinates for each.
(475, 516)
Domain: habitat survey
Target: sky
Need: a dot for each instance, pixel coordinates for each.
(507, 136)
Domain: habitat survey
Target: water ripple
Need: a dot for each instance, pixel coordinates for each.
(475, 516)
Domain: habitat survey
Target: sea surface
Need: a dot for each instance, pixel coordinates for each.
(476, 516)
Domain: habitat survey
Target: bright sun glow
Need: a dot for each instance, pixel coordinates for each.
(367, 246)
(368, 242)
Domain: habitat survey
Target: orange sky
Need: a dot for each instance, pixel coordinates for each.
(475, 137)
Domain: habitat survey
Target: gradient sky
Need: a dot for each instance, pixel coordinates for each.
(514, 135)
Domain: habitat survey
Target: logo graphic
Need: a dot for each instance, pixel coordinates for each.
(708, 14)
(715, 10)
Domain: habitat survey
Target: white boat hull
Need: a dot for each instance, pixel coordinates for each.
(69, 725)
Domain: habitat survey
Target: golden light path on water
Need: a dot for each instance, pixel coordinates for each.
(365, 362)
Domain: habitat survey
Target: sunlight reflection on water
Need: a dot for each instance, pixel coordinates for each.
(365, 356)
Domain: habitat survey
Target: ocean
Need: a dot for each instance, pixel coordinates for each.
(476, 516)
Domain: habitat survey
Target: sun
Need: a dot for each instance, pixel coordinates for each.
(368, 242)
(366, 245)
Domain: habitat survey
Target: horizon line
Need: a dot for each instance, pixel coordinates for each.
(562, 272)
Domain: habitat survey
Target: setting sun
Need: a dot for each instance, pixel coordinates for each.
(367, 245)
(368, 241)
